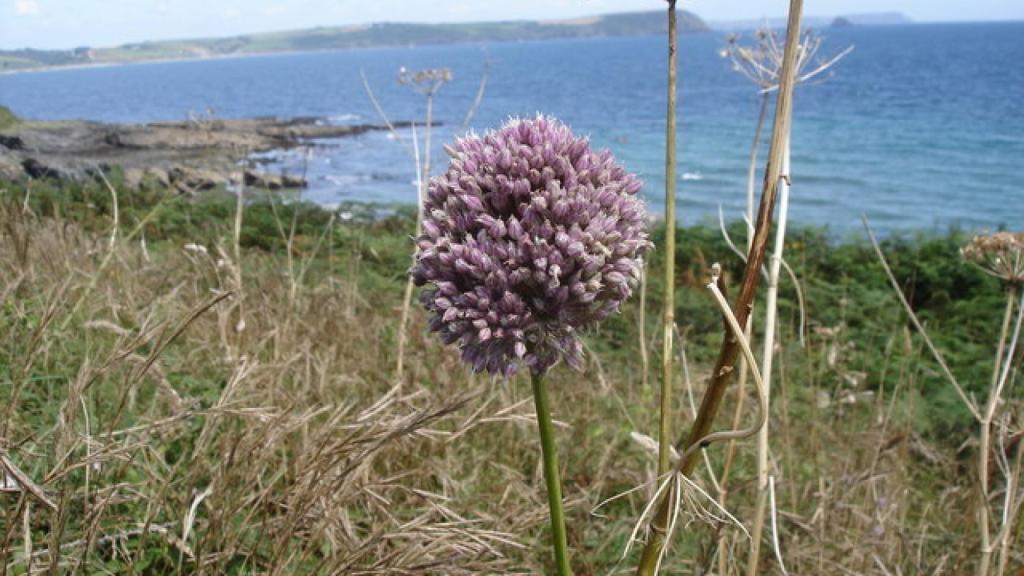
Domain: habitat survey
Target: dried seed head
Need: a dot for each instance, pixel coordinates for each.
(426, 81)
(1000, 254)
(529, 238)
(761, 61)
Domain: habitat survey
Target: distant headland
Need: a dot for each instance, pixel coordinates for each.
(623, 24)
(357, 36)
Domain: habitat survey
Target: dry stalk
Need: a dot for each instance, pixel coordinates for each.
(988, 541)
(427, 83)
(678, 481)
(1011, 508)
(668, 304)
(236, 268)
(14, 480)
(741, 385)
(115, 225)
(645, 363)
(726, 362)
(1011, 251)
(762, 65)
(771, 309)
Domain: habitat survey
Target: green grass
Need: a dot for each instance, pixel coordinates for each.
(7, 118)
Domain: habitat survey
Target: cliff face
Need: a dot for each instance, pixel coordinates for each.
(340, 37)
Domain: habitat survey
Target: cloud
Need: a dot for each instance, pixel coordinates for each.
(26, 7)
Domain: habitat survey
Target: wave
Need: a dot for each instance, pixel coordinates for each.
(353, 178)
(346, 179)
(342, 118)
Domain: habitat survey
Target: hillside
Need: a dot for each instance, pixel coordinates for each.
(340, 37)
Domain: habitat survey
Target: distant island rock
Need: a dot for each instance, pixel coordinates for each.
(841, 22)
(339, 37)
(865, 19)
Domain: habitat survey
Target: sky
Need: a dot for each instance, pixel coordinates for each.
(71, 23)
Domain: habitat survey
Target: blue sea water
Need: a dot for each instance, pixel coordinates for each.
(920, 127)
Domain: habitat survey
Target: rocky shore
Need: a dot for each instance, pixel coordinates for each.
(191, 155)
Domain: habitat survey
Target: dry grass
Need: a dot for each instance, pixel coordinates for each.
(169, 439)
(175, 431)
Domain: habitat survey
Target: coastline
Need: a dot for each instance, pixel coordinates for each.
(271, 53)
(121, 63)
(192, 155)
(319, 37)
(385, 45)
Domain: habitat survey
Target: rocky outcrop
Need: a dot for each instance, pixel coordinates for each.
(11, 142)
(272, 181)
(10, 169)
(192, 156)
(37, 169)
(193, 180)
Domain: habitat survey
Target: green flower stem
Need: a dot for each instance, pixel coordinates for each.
(554, 485)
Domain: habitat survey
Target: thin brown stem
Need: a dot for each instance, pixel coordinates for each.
(741, 388)
(725, 365)
(668, 304)
(423, 176)
(971, 406)
(752, 167)
(645, 363)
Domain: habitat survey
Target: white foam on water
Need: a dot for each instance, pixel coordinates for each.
(342, 118)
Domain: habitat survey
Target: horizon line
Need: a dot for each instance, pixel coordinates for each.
(712, 24)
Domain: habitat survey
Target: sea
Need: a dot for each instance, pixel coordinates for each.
(920, 127)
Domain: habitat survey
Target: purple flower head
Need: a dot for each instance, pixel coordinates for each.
(529, 238)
